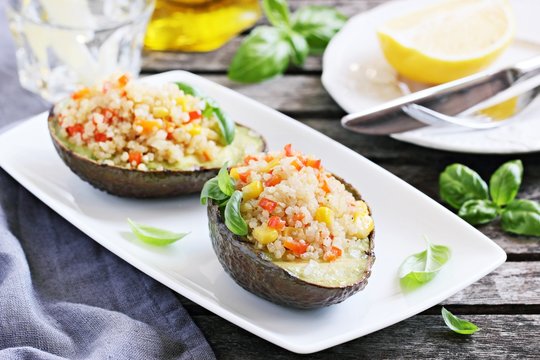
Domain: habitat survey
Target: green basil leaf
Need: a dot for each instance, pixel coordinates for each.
(458, 325)
(277, 12)
(188, 89)
(212, 191)
(505, 181)
(422, 267)
(233, 217)
(262, 55)
(154, 236)
(299, 46)
(478, 211)
(458, 183)
(225, 182)
(317, 24)
(226, 125)
(522, 217)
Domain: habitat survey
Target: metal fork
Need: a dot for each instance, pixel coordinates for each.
(469, 102)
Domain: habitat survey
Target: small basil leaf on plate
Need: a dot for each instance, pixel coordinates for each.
(188, 89)
(522, 217)
(226, 125)
(262, 55)
(458, 325)
(277, 12)
(505, 181)
(317, 24)
(478, 211)
(154, 236)
(458, 183)
(212, 191)
(233, 218)
(299, 46)
(422, 267)
(225, 182)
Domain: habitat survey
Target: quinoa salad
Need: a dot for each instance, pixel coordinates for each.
(295, 209)
(134, 125)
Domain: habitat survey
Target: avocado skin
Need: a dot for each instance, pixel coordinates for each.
(252, 269)
(132, 183)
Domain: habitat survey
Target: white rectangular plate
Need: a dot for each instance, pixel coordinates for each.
(403, 215)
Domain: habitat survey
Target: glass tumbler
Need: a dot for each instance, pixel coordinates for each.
(62, 45)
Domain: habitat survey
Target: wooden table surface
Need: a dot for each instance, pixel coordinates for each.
(505, 304)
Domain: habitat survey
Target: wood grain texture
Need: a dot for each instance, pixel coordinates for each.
(420, 337)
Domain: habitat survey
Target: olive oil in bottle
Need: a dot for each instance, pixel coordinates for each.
(199, 25)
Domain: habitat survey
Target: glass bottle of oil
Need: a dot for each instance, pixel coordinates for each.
(198, 25)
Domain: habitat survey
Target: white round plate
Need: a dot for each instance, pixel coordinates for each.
(358, 77)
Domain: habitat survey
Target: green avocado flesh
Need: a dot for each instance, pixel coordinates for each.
(245, 141)
(345, 271)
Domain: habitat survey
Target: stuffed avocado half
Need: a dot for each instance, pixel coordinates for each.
(288, 231)
(138, 140)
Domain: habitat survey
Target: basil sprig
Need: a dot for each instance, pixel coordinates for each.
(464, 190)
(227, 127)
(267, 50)
(222, 190)
(154, 236)
(422, 267)
(458, 325)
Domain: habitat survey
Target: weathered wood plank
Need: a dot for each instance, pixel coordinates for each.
(512, 284)
(420, 337)
(219, 60)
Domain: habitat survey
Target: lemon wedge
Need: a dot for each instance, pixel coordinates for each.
(448, 40)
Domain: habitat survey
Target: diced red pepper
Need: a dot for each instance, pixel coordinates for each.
(332, 254)
(288, 150)
(75, 129)
(314, 163)
(297, 247)
(135, 157)
(194, 115)
(267, 204)
(244, 177)
(100, 137)
(274, 180)
(276, 223)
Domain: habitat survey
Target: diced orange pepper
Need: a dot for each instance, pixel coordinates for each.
(123, 80)
(332, 254)
(248, 158)
(268, 158)
(297, 164)
(267, 204)
(298, 217)
(314, 163)
(276, 223)
(244, 177)
(297, 247)
(80, 93)
(274, 180)
(194, 115)
(325, 186)
(207, 155)
(135, 157)
(148, 125)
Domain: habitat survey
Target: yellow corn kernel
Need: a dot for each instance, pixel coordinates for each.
(272, 164)
(325, 215)
(195, 130)
(182, 102)
(252, 190)
(365, 225)
(234, 173)
(160, 112)
(265, 235)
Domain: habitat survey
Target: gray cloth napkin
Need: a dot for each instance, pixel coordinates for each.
(61, 294)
